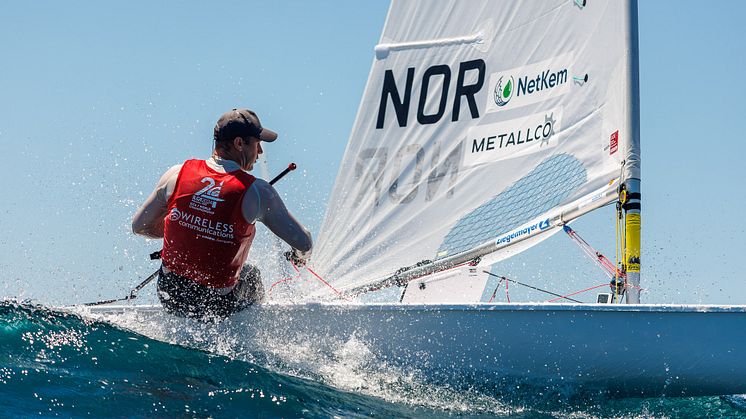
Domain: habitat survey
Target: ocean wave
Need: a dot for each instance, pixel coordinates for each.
(59, 363)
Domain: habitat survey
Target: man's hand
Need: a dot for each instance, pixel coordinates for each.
(297, 257)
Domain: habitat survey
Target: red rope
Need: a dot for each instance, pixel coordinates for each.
(506, 291)
(602, 261)
(280, 282)
(297, 275)
(494, 293)
(577, 292)
(339, 294)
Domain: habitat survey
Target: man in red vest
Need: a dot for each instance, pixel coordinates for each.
(205, 211)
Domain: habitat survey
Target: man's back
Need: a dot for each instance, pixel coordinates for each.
(205, 211)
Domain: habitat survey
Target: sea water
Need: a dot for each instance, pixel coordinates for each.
(59, 364)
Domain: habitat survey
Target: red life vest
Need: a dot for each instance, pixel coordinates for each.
(205, 235)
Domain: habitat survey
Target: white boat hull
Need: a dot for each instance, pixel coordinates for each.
(624, 350)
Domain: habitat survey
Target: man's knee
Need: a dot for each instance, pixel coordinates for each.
(250, 273)
(250, 287)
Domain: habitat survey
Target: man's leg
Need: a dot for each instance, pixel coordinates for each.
(180, 296)
(249, 289)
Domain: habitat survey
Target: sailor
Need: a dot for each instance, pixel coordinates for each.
(205, 211)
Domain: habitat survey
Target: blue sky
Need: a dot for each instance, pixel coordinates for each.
(98, 99)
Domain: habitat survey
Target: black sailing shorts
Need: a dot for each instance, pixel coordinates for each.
(183, 297)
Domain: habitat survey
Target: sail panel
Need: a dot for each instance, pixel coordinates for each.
(478, 117)
(542, 189)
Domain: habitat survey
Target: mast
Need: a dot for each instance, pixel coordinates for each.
(630, 195)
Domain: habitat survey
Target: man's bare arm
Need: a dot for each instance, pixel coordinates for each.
(149, 218)
(266, 206)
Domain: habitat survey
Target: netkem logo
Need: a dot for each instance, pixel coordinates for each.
(546, 80)
(504, 90)
(530, 83)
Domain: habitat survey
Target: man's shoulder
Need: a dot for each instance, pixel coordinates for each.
(266, 190)
(167, 182)
(176, 167)
(173, 171)
(261, 183)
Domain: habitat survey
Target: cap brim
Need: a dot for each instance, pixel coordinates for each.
(267, 135)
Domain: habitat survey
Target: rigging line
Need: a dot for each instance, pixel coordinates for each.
(290, 278)
(532, 287)
(616, 251)
(619, 250)
(507, 294)
(621, 228)
(634, 286)
(494, 293)
(133, 293)
(577, 292)
(602, 261)
(339, 294)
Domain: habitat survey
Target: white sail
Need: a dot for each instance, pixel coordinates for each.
(482, 123)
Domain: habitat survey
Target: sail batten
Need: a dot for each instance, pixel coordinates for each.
(480, 119)
(382, 50)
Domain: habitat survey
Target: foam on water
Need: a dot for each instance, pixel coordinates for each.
(347, 365)
(59, 364)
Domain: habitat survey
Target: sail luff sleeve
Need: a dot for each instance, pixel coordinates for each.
(632, 153)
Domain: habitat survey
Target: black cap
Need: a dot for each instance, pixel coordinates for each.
(241, 123)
